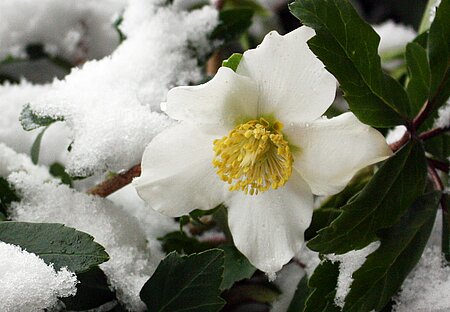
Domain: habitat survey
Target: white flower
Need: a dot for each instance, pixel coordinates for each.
(260, 130)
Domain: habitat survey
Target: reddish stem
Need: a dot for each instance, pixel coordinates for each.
(432, 133)
(115, 183)
(403, 140)
(440, 165)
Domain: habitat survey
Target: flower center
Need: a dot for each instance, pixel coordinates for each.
(254, 157)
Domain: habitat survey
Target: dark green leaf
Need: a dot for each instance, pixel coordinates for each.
(36, 147)
(186, 283)
(233, 61)
(418, 88)
(323, 285)
(348, 47)
(232, 24)
(58, 171)
(384, 271)
(301, 294)
(439, 146)
(7, 196)
(380, 204)
(30, 120)
(180, 242)
(354, 187)
(55, 243)
(321, 219)
(439, 54)
(92, 291)
(252, 291)
(236, 267)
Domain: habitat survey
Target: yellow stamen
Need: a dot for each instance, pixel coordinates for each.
(254, 157)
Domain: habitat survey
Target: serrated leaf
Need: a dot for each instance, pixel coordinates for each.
(186, 283)
(92, 291)
(7, 196)
(236, 267)
(380, 204)
(233, 61)
(439, 54)
(323, 285)
(301, 294)
(348, 47)
(30, 120)
(418, 88)
(55, 243)
(401, 246)
(232, 24)
(36, 147)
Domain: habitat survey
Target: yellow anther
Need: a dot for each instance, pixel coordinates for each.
(254, 157)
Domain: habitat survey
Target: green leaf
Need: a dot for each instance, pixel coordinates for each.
(418, 88)
(186, 283)
(438, 146)
(384, 271)
(321, 219)
(348, 47)
(92, 291)
(232, 24)
(55, 243)
(301, 294)
(236, 267)
(7, 196)
(58, 171)
(233, 61)
(439, 54)
(30, 120)
(36, 147)
(180, 242)
(323, 285)
(380, 204)
(446, 229)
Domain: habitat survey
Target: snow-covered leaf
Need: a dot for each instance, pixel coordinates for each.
(55, 243)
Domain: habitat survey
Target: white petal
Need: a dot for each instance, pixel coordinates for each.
(268, 228)
(294, 86)
(177, 172)
(331, 151)
(221, 102)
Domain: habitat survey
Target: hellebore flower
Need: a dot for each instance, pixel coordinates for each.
(254, 139)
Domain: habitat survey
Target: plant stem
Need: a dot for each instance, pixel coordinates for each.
(440, 165)
(432, 133)
(403, 140)
(115, 183)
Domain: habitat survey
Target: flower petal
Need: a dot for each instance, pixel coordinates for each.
(332, 150)
(177, 172)
(268, 228)
(221, 102)
(294, 86)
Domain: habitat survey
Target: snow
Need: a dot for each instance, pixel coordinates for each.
(112, 105)
(443, 120)
(75, 30)
(393, 36)
(56, 138)
(287, 281)
(133, 255)
(348, 264)
(428, 285)
(28, 284)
